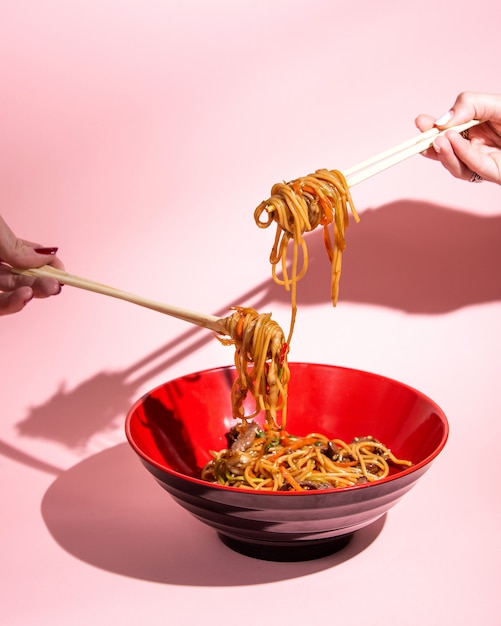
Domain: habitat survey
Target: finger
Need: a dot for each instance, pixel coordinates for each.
(447, 156)
(424, 122)
(430, 153)
(22, 253)
(15, 301)
(472, 106)
(41, 287)
(26, 255)
(473, 160)
(45, 287)
(45, 256)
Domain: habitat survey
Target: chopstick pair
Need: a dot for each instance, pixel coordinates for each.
(354, 175)
(384, 160)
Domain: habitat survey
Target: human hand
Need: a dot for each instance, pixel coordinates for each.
(17, 290)
(478, 156)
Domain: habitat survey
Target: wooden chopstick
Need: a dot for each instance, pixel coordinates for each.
(206, 321)
(397, 154)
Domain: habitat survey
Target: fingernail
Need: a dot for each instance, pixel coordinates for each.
(28, 300)
(436, 148)
(443, 119)
(46, 250)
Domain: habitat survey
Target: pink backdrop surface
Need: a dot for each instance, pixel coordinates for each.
(139, 137)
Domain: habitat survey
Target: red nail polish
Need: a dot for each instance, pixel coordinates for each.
(46, 250)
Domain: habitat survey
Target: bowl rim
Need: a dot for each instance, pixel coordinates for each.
(256, 492)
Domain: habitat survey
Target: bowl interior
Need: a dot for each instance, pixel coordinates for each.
(175, 426)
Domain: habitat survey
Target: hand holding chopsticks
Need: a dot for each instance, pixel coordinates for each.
(206, 321)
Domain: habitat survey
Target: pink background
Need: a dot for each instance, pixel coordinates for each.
(139, 137)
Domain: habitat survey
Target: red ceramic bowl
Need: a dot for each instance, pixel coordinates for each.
(173, 428)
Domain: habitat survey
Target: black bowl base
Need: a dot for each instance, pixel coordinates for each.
(297, 551)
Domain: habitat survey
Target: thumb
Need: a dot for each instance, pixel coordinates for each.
(472, 106)
(25, 255)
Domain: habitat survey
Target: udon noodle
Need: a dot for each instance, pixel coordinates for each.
(319, 199)
(266, 459)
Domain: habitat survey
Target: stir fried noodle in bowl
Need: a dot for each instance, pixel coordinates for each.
(272, 460)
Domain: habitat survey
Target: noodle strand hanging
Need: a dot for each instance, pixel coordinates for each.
(319, 199)
(260, 363)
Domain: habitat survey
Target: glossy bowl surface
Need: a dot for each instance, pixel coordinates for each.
(173, 427)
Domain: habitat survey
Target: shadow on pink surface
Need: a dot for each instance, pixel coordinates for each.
(108, 512)
(421, 258)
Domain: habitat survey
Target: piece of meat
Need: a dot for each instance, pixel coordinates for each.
(245, 438)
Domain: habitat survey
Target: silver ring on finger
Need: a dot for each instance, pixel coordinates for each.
(476, 178)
